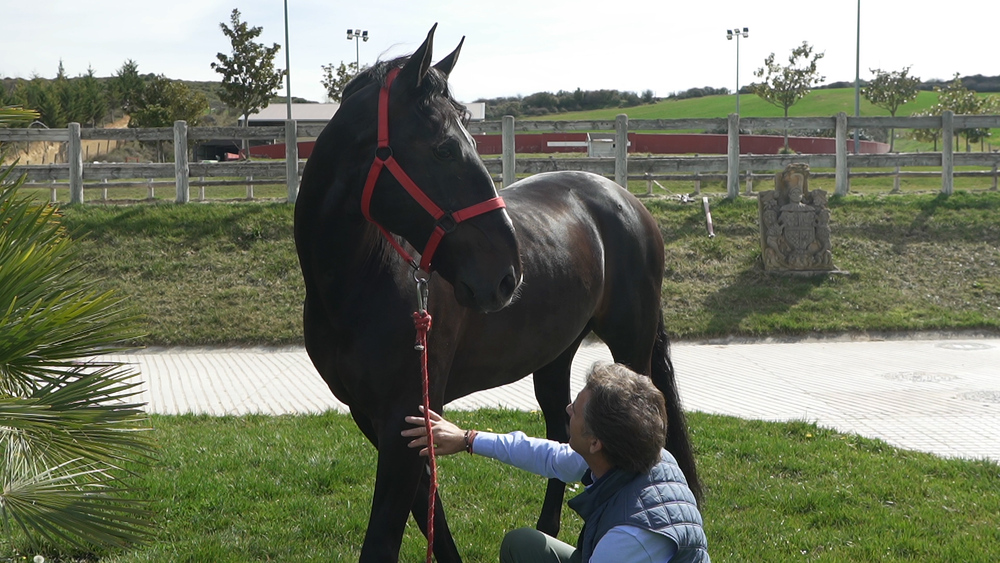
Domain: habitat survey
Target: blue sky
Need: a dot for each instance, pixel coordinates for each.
(512, 46)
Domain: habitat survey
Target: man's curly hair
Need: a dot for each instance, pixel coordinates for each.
(626, 412)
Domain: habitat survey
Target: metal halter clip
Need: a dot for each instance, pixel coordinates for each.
(422, 290)
(422, 295)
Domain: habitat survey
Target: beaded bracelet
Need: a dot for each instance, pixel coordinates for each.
(470, 435)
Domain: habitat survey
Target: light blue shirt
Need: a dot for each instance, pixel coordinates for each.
(555, 460)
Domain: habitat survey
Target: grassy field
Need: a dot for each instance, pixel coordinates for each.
(298, 488)
(205, 274)
(824, 103)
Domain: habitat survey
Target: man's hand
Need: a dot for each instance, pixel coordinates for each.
(448, 438)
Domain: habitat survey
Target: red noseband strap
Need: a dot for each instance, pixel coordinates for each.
(445, 222)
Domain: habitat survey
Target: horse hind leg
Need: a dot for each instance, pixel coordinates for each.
(640, 342)
(552, 391)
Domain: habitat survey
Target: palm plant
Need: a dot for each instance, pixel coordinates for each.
(68, 424)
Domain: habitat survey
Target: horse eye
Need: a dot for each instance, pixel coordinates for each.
(443, 151)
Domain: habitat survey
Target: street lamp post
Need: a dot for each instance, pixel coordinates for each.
(857, 83)
(356, 34)
(288, 70)
(730, 33)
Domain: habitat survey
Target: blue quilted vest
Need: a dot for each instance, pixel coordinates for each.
(659, 501)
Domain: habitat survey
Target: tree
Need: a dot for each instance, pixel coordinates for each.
(926, 135)
(889, 90)
(67, 424)
(783, 86)
(249, 79)
(40, 94)
(93, 98)
(336, 80)
(956, 97)
(125, 87)
(164, 101)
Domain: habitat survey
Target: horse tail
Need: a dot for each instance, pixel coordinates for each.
(678, 442)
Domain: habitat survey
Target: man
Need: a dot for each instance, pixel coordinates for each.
(637, 506)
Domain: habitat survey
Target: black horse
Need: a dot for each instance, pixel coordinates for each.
(514, 290)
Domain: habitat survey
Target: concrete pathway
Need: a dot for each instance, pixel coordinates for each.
(933, 394)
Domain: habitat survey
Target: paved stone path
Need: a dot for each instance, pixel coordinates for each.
(935, 395)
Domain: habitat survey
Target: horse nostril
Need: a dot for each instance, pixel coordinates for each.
(507, 285)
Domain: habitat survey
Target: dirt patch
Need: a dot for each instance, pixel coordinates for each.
(51, 152)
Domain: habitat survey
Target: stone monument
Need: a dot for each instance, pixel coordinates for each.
(795, 225)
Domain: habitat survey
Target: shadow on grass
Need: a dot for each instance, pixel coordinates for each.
(758, 294)
(898, 223)
(187, 225)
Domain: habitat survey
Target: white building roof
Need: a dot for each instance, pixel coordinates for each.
(321, 113)
(300, 112)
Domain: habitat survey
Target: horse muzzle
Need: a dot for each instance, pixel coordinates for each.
(488, 296)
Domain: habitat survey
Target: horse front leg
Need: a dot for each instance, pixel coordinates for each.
(397, 480)
(445, 550)
(402, 485)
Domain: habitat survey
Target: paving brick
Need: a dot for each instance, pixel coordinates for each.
(936, 395)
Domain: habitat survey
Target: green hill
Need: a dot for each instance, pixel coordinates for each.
(824, 102)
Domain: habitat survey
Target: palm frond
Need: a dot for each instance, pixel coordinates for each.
(70, 425)
(74, 504)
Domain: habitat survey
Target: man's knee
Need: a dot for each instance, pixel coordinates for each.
(527, 545)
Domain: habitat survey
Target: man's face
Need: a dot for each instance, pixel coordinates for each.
(579, 439)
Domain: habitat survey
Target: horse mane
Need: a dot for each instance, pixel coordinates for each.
(436, 99)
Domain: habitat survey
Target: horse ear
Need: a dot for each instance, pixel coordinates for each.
(446, 64)
(412, 73)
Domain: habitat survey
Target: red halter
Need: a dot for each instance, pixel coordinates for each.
(445, 222)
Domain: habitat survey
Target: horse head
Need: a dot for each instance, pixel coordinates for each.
(427, 182)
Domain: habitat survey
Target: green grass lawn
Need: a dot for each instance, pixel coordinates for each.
(203, 274)
(298, 488)
(818, 103)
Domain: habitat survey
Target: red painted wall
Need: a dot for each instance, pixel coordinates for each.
(677, 144)
(639, 143)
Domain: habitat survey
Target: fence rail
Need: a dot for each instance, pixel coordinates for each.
(623, 168)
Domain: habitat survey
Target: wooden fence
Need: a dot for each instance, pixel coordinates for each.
(508, 166)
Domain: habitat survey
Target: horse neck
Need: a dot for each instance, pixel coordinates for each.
(355, 254)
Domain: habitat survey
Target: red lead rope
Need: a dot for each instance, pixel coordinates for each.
(422, 320)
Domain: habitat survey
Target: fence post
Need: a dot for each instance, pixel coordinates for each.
(994, 188)
(733, 173)
(508, 175)
(947, 151)
(621, 150)
(75, 159)
(291, 159)
(181, 168)
(842, 183)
